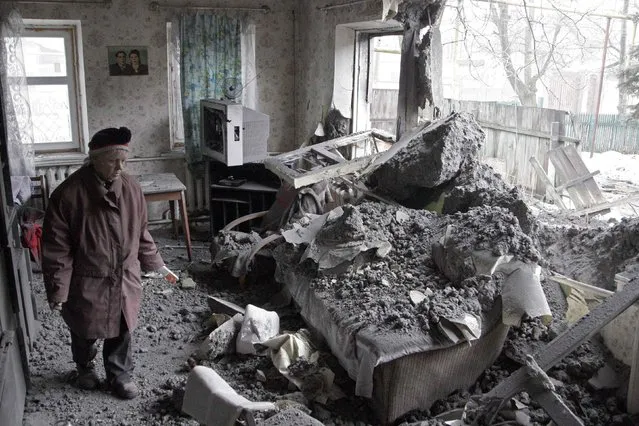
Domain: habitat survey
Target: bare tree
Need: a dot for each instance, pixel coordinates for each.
(535, 45)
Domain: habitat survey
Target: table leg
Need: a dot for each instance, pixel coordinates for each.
(173, 220)
(185, 225)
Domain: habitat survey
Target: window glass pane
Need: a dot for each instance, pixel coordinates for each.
(44, 56)
(50, 113)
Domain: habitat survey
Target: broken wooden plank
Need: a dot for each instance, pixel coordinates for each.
(605, 206)
(291, 173)
(328, 154)
(578, 163)
(622, 280)
(565, 172)
(557, 410)
(569, 340)
(561, 279)
(577, 180)
(549, 185)
(221, 306)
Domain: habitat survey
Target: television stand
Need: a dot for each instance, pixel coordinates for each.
(228, 203)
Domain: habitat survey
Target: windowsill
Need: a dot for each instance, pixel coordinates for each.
(77, 158)
(59, 159)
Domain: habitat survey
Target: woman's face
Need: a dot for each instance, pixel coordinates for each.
(135, 59)
(109, 165)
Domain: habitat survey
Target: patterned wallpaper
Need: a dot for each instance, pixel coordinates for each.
(295, 73)
(316, 47)
(140, 102)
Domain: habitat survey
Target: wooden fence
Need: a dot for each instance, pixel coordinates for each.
(614, 132)
(514, 134)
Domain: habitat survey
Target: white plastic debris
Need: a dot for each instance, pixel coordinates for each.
(258, 326)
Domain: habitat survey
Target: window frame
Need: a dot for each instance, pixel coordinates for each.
(71, 31)
(351, 88)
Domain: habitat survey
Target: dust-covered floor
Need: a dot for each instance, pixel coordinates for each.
(174, 321)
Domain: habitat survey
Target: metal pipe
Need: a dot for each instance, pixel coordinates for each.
(601, 77)
(336, 6)
(155, 6)
(104, 2)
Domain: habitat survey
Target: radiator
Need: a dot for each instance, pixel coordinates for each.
(197, 199)
(54, 175)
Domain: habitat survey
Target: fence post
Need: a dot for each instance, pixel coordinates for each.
(554, 134)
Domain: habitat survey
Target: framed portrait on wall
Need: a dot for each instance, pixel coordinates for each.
(128, 60)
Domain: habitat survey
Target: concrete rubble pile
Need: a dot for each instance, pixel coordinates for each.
(436, 166)
(592, 254)
(447, 271)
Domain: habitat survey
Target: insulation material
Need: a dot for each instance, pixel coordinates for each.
(258, 326)
(213, 402)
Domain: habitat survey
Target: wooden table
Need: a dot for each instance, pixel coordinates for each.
(167, 187)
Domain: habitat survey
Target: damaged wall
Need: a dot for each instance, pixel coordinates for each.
(315, 65)
(140, 103)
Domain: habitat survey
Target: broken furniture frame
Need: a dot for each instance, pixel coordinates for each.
(256, 247)
(553, 352)
(330, 159)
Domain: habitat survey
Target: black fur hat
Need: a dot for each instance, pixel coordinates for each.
(110, 137)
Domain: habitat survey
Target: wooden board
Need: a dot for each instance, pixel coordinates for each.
(549, 185)
(330, 159)
(575, 177)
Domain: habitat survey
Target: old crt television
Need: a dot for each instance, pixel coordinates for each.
(231, 133)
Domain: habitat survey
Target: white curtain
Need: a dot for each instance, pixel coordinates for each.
(249, 77)
(175, 91)
(15, 95)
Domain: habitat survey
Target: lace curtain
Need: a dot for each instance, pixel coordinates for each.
(15, 96)
(210, 50)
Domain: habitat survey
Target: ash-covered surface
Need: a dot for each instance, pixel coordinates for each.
(378, 292)
(431, 158)
(173, 325)
(591, 254)
(479, 185)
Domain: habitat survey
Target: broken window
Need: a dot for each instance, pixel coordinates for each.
(377, 81)
(367, 64)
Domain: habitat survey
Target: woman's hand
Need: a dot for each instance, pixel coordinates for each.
(55, 306)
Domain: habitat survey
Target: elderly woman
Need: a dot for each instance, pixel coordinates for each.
(94, 242)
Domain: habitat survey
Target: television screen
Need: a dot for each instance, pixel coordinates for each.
(213, 129)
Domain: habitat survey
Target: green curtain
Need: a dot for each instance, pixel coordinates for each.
(210, 50)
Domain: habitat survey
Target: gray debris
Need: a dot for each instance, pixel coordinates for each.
(433, 156)
(291, 417)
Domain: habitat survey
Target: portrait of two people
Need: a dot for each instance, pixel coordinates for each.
(127, 62)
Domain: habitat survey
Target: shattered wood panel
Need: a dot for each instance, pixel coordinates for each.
(570, 167)
(330, 159)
